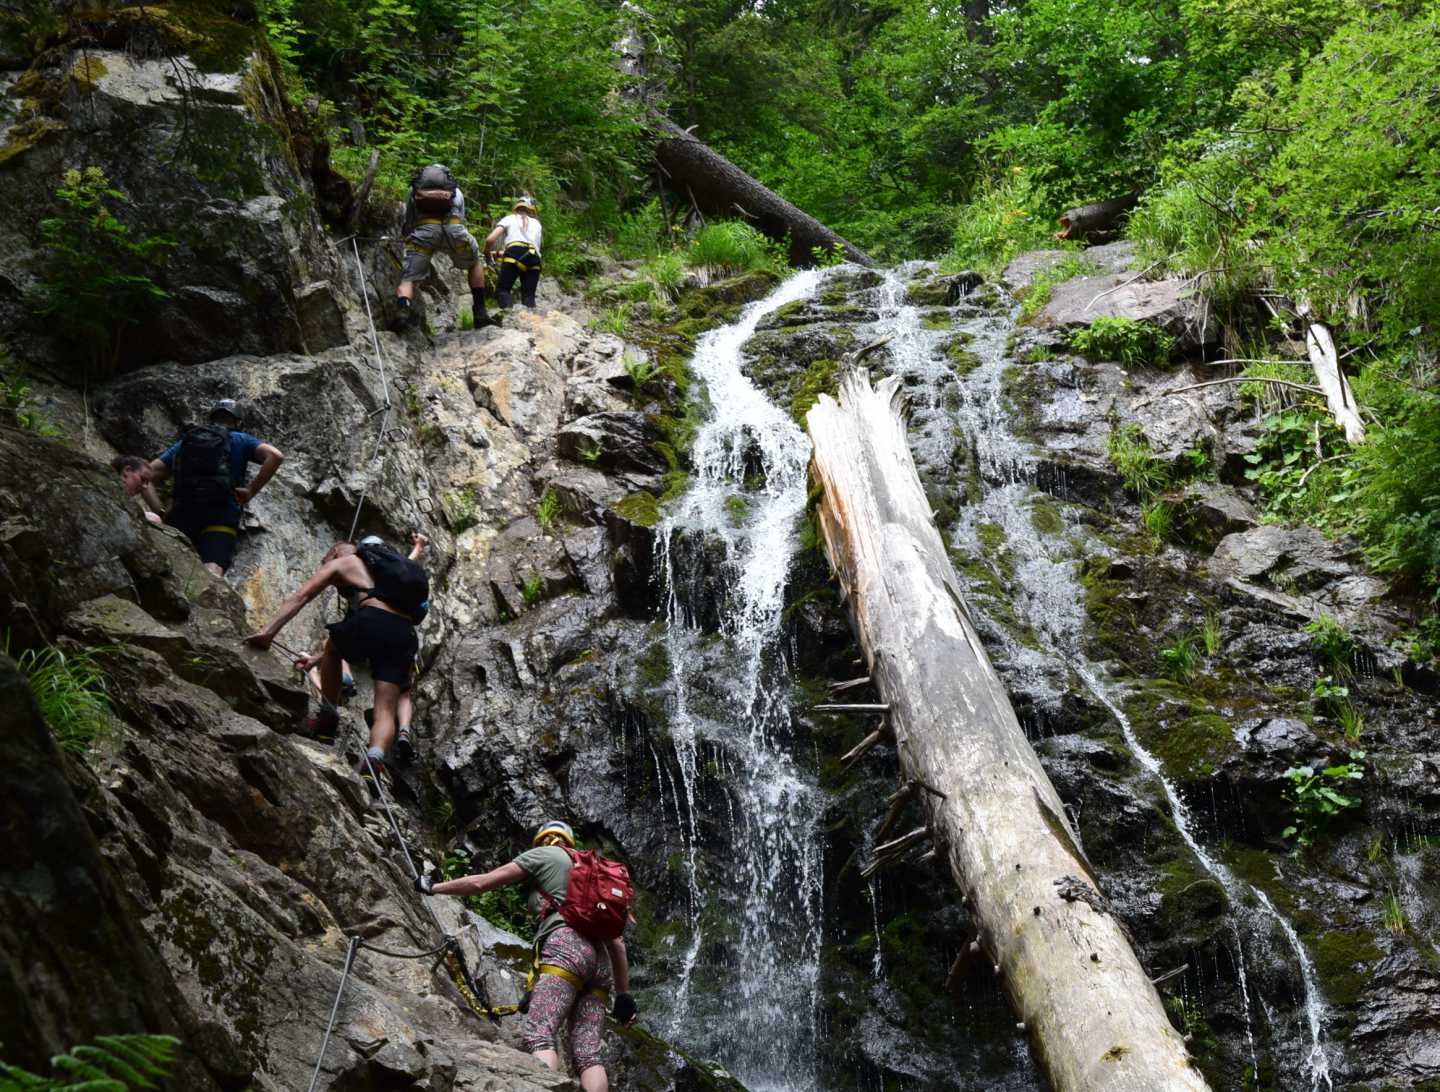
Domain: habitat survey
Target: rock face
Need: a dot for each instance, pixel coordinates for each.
(217, 863)
(200, 144)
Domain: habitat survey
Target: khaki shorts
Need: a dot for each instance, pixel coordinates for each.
(428, 240)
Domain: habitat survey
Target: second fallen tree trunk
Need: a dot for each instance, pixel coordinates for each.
(719, 188)
(1093, 1017)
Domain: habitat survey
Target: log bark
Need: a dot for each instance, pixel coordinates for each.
(1325, 362)
(719, 188)
(1094, 1019)
(1096, 220)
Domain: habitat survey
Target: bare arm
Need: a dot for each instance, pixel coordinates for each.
(324, 577)
(418, 543)
(494, 237)
(478, 885)
(619, 964)
(158, 473)
(269, 458)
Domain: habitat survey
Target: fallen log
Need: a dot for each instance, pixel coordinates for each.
(1095, 221)
(1094, 1019)
(719, 188)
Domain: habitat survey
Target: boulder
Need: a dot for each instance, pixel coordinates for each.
(622, 441)
(1171, 303)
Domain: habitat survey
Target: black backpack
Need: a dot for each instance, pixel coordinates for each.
(433, 190)
(202, 468)
(399, 581)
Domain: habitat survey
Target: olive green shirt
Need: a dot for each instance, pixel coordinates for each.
(548, 868)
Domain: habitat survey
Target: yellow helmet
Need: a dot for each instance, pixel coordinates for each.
(556, 827)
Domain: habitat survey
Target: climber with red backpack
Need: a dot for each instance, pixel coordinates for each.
(391, 596)
(208, 465)
(435, 221)
(583, 902)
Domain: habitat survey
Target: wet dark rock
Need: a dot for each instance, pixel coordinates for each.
(612, 441)
(1212, 511)
(944, 291)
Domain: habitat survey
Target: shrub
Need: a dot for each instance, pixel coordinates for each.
(1004, 217)
(659, 280)
(16, 403)
(96, 276)
(548, 510)
(1317, 800)
(1142, 471)
(727, 247)
(1125, 340)
(70, 690)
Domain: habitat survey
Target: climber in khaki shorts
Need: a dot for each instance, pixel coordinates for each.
(435, 223)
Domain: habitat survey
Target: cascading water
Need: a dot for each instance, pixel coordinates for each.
(729, 713)
(1045, 589)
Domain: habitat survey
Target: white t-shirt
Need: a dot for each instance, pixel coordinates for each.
(520, 229)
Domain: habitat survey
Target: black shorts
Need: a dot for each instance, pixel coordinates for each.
(386, 640)
(214, 538)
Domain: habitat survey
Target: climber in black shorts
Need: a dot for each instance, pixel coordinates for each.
(391, 597)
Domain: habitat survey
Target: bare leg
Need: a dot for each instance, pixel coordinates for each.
(215, 569)
(387, 697)
(595, 1079)
(551, 1058)
(406, 290)
(329, 669)
(405, 708)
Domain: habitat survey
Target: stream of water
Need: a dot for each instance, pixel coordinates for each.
(744, 500)
(1047, 593)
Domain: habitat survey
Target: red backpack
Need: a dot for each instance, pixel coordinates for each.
(597, 895)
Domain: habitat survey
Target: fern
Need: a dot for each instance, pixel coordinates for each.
(113, 1063)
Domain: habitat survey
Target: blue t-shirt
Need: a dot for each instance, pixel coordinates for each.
(242, 446)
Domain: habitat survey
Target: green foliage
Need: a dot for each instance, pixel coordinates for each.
(502, 906)
(547, 511)
(1317, 800)
(1212, 636)
(1125, 340)
(1006, 215)
(532, 589)
(658, 280)
(16, 404)
(1142, 471)
(465, 320)
(71, 691)
(1158, 519)
(1331, 643)
(727, 247)
(639, 370)
(97, 274)
(113, 1063)
(1328, 696)
(1394, 914)
(613, 320)
(1180, 659)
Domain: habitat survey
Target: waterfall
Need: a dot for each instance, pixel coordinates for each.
(729, 720)
(1046, 591)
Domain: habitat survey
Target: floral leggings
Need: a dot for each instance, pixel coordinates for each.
(555, 998)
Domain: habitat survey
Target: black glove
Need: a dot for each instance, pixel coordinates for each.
(424, 884)
(625, 1010)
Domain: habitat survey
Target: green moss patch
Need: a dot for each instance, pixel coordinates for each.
(640, 508)
(1344, 962)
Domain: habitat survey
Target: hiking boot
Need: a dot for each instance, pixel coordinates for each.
(321, 725)
(405, 745)
(487, 320)
(347, 685)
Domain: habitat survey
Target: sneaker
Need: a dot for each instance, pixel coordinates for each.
(405, 745)
(347, 685)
